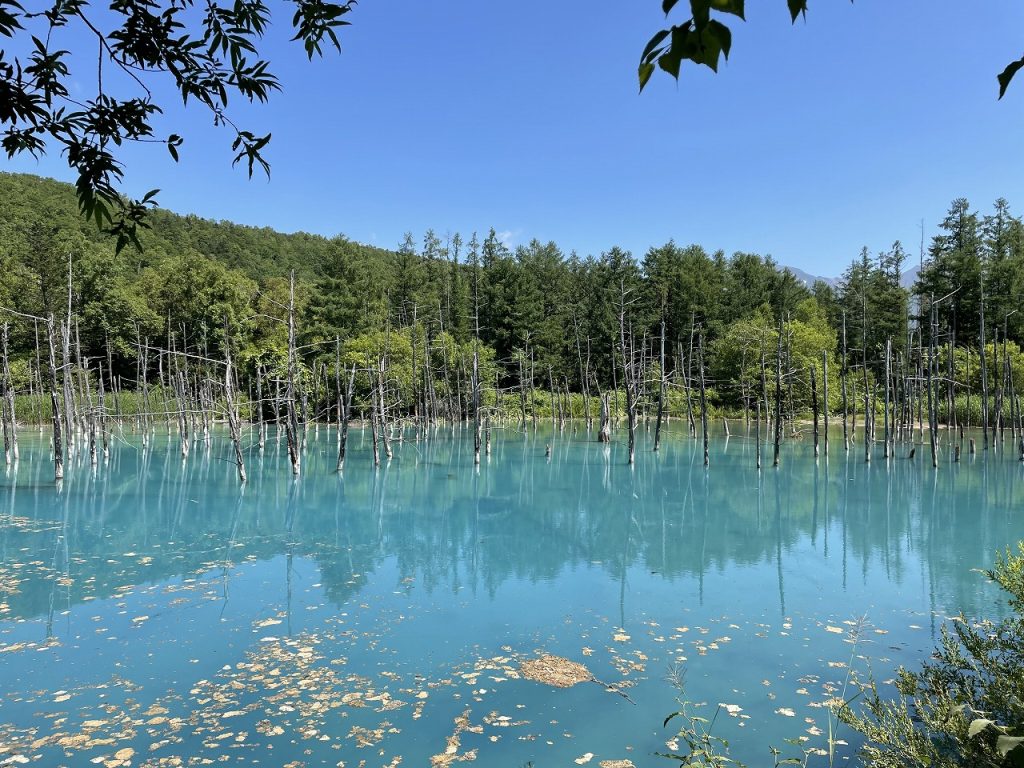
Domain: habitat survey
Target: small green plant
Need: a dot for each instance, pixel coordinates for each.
(703, 748)
(854, 638)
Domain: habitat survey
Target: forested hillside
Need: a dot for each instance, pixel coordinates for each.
(541, 317)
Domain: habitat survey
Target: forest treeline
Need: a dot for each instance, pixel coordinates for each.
(533, 315)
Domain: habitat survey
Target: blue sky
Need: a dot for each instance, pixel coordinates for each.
(845, 130)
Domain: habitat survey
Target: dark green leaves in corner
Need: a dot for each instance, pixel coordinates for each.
(1007, 74)
(702, 39)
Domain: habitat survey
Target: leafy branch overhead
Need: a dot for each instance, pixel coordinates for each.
(207, 50)
(704, 39)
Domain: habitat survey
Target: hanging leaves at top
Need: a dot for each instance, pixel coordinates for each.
(207, 58)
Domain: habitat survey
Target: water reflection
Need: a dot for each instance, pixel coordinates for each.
(521, 516)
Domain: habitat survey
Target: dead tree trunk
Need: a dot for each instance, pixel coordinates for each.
(757, 436)
(234, 427)
(604, 434)
(346, 415)
(661, 391)
(103, 414)
(888, 370)
(69, 397)
(374, 419)
(984, 370)
(261, 424)
(385, 437)
(778, 397)
(764, 392)
(477, 426)
(869, 414)
(522, 393)
(932, 418)
(58, 427)
(824, 396)
(843, 370)
(703, 399)
(814, 407)
(584, 388)
(11, 441)
(686, 391)
(90, 409)
(628, 376)
(292, 423)
(551, 392)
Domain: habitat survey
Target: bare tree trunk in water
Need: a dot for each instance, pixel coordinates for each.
(11, 438)
(346, 415)
(292, 421)
(229, 395)
(814, 407)
(661, 391)
(843, 370)
(824, 396)
(58, 427)
(778, 397)
(703, 399)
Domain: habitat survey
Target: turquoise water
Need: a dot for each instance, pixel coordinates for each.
(154, 612)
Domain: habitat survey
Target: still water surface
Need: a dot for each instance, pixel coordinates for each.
(152, 612)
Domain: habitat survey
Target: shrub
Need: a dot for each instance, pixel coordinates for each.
(965, 707)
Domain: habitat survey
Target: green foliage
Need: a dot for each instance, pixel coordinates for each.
(366, 350)
(965, 707)
(205, 58)
(737, 355)
(703, 39)
(557, 314)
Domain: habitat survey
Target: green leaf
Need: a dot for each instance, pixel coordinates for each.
(977, 726)
(735, 7)
(1007, 75)
(722, 36)
(670, 62)
(644, 73)
(797, 8)
(654, 43)
(668, 5)
(1006, 744)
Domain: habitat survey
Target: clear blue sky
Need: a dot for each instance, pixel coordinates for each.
(813, 140)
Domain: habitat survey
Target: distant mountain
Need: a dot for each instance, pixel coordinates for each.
(907, 281)
(808, 279)
(910, 277)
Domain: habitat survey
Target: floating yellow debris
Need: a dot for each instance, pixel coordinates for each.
(556, 671)
(454, 742)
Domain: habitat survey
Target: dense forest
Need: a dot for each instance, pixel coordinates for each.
(466, 322)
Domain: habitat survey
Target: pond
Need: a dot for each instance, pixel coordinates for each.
(155, 612)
